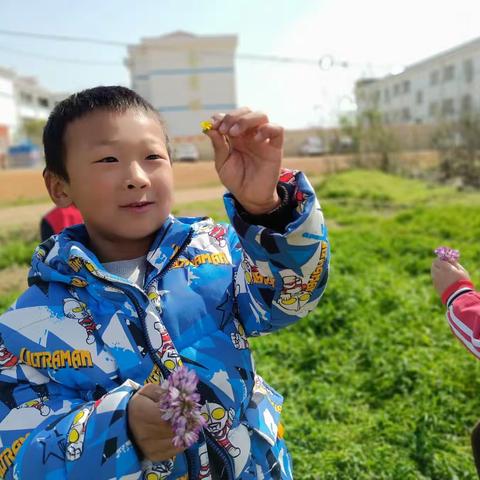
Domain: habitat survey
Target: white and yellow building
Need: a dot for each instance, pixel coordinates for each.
(185, 77)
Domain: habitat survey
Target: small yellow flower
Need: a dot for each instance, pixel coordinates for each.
(206, 126)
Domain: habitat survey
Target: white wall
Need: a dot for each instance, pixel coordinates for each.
(8, 113)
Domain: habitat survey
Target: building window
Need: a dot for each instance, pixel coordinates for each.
(434, 77)
(433, 109)
(448, 73)
(448, 107)
(26, 97)
(405, 114)
(468, 70)
(466, 104)
(419, 97)
(406, 86)
(43, 102)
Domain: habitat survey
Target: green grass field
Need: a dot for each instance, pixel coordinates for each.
(376, 386)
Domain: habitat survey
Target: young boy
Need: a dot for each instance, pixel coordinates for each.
(118, 303)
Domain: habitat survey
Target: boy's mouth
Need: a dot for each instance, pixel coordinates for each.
(136, 204)
(137, 207)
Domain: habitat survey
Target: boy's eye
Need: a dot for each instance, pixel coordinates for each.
(154, 156)
(107, 160)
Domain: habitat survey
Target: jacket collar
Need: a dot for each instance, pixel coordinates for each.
(53, 259)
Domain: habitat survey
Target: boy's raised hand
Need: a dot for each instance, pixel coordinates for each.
(446, 273)
(152, 435)
(248, 156)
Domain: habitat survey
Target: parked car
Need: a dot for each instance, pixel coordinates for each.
(185, 152)
(342, 144)
(312, 146)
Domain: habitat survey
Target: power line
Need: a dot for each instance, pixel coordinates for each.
(324, 62)
(58, 59)
(66, 38)
(63, 38)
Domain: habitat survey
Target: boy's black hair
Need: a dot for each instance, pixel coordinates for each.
(110, 98)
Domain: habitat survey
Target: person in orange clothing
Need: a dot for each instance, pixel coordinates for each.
(57, 219)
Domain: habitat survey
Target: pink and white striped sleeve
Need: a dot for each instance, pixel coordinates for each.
(463, 314)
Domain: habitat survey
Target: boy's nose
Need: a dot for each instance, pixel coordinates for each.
(137, 177)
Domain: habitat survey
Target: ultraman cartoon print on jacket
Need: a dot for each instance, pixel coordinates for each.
(80, 341)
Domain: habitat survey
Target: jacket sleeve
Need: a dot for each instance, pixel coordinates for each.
(279, 275)
(463, 314)
(48, 430)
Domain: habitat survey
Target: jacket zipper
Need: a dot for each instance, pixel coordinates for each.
(222, 454)
(192, 464)
(141, 313)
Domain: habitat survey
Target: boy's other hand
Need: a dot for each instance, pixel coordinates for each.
(248, 157)
(152, 435)
(446, 273)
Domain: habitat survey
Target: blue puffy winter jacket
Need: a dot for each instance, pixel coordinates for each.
(80, 341)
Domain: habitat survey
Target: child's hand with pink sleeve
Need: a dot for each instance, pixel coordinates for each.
(446, 273)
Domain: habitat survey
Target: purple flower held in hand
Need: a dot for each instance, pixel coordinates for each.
(179, 404)
(447, 254)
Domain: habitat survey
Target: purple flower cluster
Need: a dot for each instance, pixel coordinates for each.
(447, 254)
(179, 404)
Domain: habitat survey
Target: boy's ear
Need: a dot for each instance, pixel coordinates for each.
(58, 189)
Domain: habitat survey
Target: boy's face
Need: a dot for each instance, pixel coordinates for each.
(120, 178)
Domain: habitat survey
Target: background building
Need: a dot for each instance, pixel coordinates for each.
(186, 77)
(8, 112)
(445, 85)
(22, 100)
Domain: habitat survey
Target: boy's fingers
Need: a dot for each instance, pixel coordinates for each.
(273, 133)
(147, 411)
(231, 118)
(221, 147)
(216, 119)
(246, 122)
(147, 398)
(151, 391)
(163, 450)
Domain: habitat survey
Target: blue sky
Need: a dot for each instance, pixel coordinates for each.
(373, 36)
